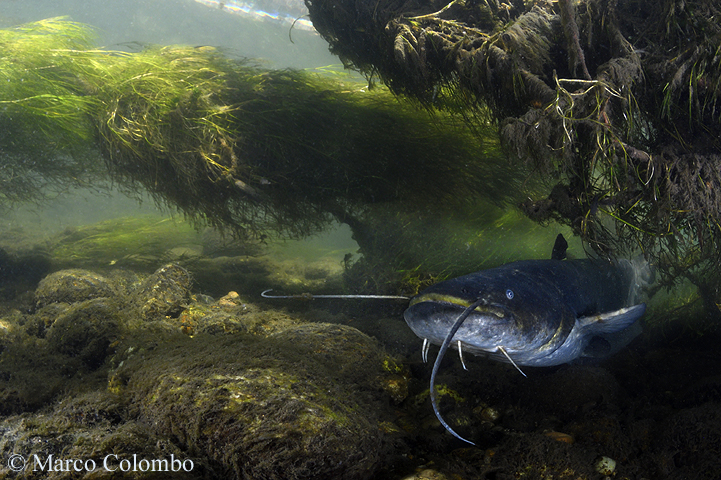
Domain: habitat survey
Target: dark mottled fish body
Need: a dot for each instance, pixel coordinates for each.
(532, 312)
(538, 325)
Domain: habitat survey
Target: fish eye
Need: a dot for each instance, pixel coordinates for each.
(509, 294)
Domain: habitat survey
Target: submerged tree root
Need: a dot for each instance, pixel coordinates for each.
(614, 102)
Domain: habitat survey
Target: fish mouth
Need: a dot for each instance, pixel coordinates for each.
(461, 304)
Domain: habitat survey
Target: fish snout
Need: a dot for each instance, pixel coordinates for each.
(433, 320)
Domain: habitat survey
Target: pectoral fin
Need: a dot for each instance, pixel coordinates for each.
(611, 331)
(610, 322)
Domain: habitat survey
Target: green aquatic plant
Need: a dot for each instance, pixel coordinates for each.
(255, 152)
(407, 252)
(251, 151)
(37, 77)
(140, 242)
(45, 134)
(281, 152)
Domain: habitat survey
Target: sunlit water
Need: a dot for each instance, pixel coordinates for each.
(266, 31)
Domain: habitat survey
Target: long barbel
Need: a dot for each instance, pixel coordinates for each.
(310, 296)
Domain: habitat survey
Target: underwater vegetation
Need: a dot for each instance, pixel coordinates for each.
(286, 153)
(45, 134)
(279, 152)
(249, 150)
(130, 241)
(109, 364)
(614, 104)
(142, 244)
(405, 252)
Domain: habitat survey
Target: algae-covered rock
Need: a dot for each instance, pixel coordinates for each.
(307, 402)
(86, 330)
(240, 391)
(164, 293)
(74, 285)
(58, 349)
(232, 315)
(91, 433)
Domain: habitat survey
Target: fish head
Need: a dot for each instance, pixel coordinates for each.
(486, 327)
(523, 319)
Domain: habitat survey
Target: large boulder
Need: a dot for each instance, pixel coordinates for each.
(311, 401)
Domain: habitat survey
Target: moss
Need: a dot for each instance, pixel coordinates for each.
(277, 408)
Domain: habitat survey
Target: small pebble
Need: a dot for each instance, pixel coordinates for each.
(605, 466)
(490, 414)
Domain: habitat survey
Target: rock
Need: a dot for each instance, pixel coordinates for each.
(426, 474)
(86, 330)
(307, 402)
(242, 391)
(70, 286)
(165, 293)
(232, 299)
(89, 431)
(605, 466)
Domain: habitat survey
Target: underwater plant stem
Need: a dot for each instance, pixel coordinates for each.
(570, 27)
(434, 14)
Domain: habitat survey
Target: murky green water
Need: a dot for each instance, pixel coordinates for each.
(127, 329)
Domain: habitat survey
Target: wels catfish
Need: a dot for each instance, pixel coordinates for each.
(531, 313)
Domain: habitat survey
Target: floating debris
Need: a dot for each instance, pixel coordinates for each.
(288, 13)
